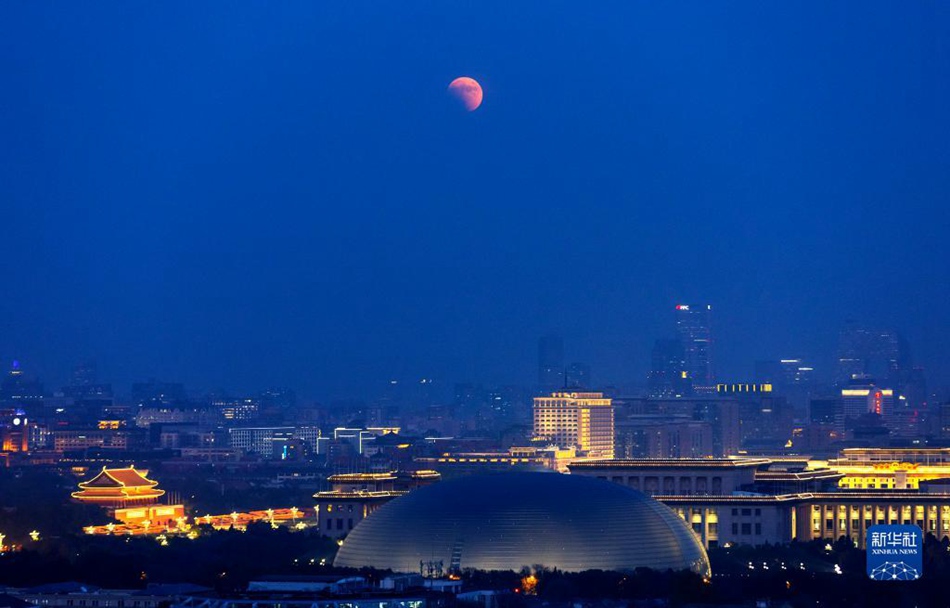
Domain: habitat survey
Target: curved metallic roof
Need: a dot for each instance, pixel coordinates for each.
(510, 520)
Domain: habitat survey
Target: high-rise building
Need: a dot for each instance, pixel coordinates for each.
(721, 413)
(765, 418)
(668, 376)
(551, 362)
(863, 397)
(85, 374)
(694, 326)
(152, 394)
(663, 437)
(583, 421)
(21, 391)
(792, 378)
(824, 410)
(577, 375)
(879, 353)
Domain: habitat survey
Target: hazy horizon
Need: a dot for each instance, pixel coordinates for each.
(243, 196)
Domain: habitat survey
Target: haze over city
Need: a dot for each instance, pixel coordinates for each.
(285, 194)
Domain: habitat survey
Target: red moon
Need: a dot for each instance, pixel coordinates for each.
(468, 91)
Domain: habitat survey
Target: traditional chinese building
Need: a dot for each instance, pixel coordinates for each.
(117, 488)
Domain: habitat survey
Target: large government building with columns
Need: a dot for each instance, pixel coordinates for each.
(761, 500)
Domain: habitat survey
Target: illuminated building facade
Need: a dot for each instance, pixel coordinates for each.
(743, 388)
(857, 401)
(758, 520)
(119, 488)
(106, 438)
(156, 515)
(273, 442)
(759, 501)
(516, 459)
(361, 438)
(583, 421)
(14, 430)
(246, 408)
(890, 468)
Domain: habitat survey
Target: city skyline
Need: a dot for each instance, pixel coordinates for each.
(189, 196)
(557, 367)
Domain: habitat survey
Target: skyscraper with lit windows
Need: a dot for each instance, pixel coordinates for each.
(583, 421)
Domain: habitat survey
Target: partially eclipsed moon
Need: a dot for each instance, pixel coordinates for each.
(468, 91)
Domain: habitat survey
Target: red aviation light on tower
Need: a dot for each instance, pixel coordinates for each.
(682, 307)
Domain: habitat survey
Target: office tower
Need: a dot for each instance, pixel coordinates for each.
(551, 362)
(790, 378)
(663, 437)
(862, 397)
(277, 405)
(668, 376)
(721, 413)
(158, 394)
(694, 326)
(577, 376)
(583, 421)
(85, 374)
(784, 373)
(18, 389)
(824, 410)
(914, 388)
(879, 353)
(90, 398)
(283, 399)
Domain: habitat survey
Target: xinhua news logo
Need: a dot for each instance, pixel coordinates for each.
(895, 553)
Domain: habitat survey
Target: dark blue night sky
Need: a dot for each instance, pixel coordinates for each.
(238, 194)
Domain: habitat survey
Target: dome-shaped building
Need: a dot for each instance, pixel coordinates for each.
(511, 520)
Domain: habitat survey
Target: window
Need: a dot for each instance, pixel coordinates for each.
(746, 529)
(735, 529)
(735, 511)
(758, 529)
(758, 512)
(747, 512)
